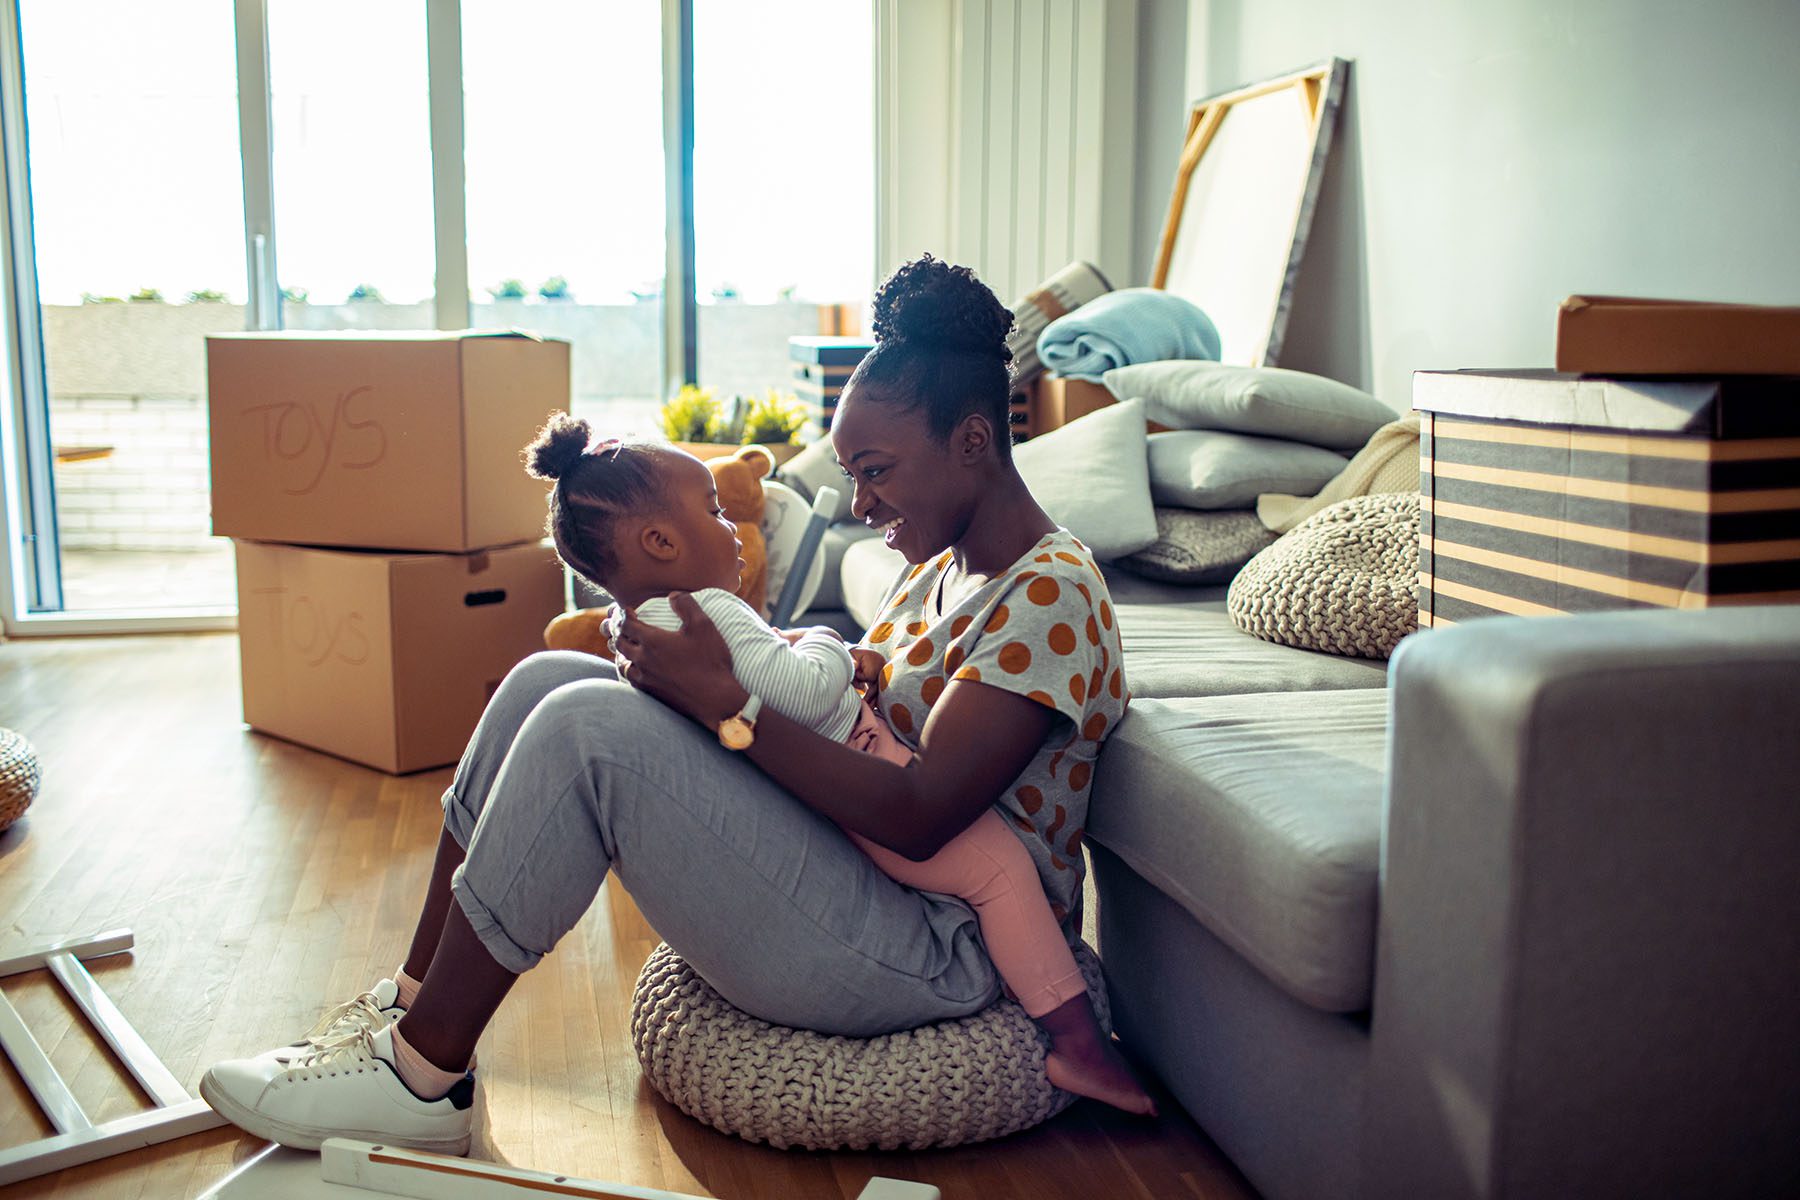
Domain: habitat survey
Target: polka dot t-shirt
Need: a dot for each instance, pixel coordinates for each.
(1043, 628)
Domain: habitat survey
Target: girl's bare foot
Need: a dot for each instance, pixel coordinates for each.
(1083, 1060)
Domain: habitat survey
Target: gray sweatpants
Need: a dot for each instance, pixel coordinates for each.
(572, 773)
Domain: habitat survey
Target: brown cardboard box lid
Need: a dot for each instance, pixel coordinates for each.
(1732, 407)
(1624, 335)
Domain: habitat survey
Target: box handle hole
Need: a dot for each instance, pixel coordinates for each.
(491, 596)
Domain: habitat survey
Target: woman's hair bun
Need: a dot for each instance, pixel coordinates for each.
(558, 446)
(929, 302)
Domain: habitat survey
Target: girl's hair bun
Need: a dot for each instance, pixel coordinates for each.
(558, 446)
(928, 302)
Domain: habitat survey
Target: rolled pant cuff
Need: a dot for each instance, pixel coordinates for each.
(494, 939)
(1054, 995)
(457, 819)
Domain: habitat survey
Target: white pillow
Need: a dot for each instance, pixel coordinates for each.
(1268, 401)
(1203, 469)
(1092, 476)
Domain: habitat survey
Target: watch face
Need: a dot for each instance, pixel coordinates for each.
(736, 734)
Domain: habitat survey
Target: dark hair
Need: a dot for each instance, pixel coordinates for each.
(596, 484)
(940, 345)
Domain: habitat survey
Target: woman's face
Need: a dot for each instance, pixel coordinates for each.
(905, 483)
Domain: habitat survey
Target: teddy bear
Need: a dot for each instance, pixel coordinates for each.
(739, 479)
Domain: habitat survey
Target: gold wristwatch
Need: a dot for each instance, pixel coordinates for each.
(738, 731)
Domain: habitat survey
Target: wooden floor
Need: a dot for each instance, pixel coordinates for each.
(263, 881)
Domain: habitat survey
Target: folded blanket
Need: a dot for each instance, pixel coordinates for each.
(1132, 325)
(1388, 463)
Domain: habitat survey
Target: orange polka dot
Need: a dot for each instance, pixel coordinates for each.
(1058, 863)
(1095, 727)
(959, 626)
(1043, 590)
(1022, 823)
(972, 674)
(1096, 681)
(1085, 594)
(953, 659)
(921, 652)
(898, 600)
(1042, 558)
(1015, 658)
(1093, 632)
(1078, 775)
(915, 627)
(1105, 660)
(1062, 639)
(899, 718)
(1059, 911)
(997, 622)
(882, 632)
(1043, 698)
(914, 573)
(1030, 798)
(1067, 557)
(1078, 688)
(1073, 845)
(1106, 614)
(932, 689)
(887, 675)
(1055, 762)
(1062, 815)
(1116, 684)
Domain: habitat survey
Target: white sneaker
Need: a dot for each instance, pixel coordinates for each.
(348, 1088)
(379, 1006)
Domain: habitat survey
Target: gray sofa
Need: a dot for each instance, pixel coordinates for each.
(1517, 919)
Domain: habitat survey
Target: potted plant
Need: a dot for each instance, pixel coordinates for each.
(508, 289)
(695, 421)
(555, 288)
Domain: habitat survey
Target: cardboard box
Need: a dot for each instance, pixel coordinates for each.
(395, 441)
(1057, 401)
(1553, 493)
(386, 659)
(1616, 335)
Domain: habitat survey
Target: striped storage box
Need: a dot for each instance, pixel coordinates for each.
(1548, 493)
(821, 366)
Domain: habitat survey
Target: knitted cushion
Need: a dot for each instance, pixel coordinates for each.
(1199, 547)
(1343, 581)
(18, 776)
(965, 1080)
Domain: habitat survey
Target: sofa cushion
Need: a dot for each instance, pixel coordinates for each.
(1261, 816)
(838, 538)
(1180, 641)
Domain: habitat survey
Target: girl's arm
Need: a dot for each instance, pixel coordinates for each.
(976, 741)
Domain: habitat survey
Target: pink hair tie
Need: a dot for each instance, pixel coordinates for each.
(601, 445)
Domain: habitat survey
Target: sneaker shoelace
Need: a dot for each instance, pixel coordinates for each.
(351, 1054)
(364, 1012)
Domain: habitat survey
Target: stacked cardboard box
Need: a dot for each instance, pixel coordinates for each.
(391, 561)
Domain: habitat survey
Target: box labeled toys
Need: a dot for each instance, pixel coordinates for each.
(396, 440)
(1551, 493)
(386, 659)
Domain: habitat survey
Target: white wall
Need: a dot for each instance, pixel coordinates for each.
(1494, 157)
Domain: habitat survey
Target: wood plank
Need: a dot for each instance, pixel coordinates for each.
(264, 882)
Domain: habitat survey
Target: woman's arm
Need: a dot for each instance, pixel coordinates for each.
(976, 741)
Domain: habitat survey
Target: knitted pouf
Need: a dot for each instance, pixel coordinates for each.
(18, 776)
(1343, 581)
(966, 1080)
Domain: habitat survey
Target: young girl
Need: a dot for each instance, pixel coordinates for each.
(642, 521)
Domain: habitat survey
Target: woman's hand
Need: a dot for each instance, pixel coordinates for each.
(689, 670)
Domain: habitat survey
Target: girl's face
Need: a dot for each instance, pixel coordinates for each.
(905, 483)
(707, 541)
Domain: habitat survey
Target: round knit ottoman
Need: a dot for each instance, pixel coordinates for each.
(1344, 581)
(18, 776)
(966, 1080)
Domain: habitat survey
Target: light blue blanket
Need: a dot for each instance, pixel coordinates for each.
(1132, 325)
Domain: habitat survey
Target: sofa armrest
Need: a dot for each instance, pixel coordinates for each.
(1588, 952)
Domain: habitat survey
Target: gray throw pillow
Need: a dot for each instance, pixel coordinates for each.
(1267, 401)
(1203, 469)
(1199, 547)
(813, 468)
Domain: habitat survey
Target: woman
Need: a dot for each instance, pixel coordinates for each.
(1001, 667)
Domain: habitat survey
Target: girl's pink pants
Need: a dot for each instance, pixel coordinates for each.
(989, 867)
